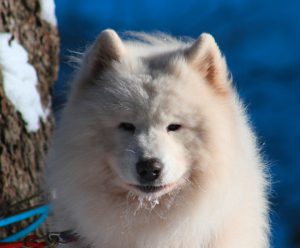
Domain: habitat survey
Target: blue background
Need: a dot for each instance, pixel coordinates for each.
(261, 41)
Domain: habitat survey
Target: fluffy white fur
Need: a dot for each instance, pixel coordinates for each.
(215, 194)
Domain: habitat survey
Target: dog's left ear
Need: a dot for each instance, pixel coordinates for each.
(205, 56)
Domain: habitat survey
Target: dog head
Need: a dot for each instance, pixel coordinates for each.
(143, 115)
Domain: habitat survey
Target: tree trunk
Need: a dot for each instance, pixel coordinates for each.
(23, 148)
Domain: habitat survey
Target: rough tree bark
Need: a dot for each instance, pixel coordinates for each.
(22, 152)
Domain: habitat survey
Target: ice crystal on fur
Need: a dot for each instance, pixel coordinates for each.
(147, 202)
(141, 202)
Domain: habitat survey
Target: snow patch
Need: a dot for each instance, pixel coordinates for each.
(20, 81)
(48, 11)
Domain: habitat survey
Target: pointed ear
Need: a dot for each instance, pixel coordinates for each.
(205, 56)
(107, 48)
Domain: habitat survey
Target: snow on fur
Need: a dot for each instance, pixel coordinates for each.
(20, 81)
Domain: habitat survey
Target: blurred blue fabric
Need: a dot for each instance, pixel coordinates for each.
(261, 41)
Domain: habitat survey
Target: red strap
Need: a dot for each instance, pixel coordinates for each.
(29, 242)
(23, 244)
(12, 245)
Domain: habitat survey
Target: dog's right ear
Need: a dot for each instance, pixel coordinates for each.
(205, 56)
(107, 48)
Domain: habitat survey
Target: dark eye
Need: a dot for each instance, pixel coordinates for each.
(128, 127)
(173, 127)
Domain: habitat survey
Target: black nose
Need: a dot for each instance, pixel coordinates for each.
(149, 169)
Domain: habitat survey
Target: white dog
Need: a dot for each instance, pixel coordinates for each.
(154, 150)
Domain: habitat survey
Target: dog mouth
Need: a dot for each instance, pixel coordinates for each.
(153, 188)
